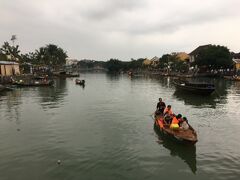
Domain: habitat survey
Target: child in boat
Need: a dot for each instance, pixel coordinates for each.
(168, 114)
(184, 125)
(168, 111)
(176, 121)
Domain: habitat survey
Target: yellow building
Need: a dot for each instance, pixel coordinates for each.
(237, 65)
(9, 68)
(147, 62)
(183, 56)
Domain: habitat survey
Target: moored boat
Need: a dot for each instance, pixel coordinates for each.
(35, 81)
(180, 135)
(196, 88)
(80, 82)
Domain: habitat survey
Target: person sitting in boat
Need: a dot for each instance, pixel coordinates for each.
(160, 107)
(175, 122)
(180, 119)
(184, 125)
(168, 111)
(168, 114)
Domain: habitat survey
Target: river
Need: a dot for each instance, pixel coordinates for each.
(104, 131)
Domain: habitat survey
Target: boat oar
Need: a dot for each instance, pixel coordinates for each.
(152, 117)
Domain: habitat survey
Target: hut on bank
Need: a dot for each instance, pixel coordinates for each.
(9, 68)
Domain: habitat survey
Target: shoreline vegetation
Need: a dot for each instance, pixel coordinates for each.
(208, 60)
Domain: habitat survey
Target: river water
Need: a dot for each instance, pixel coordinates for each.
(105, 131)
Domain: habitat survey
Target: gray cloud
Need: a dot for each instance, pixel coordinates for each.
(102, 29)
(107, 8)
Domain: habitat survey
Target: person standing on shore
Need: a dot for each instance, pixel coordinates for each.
(160, 107)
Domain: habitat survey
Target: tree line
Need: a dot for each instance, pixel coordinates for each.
(211, 57)
(50, 55)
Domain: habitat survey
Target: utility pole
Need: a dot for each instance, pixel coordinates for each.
(13, 38)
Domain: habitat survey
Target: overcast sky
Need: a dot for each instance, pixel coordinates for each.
(124, 29)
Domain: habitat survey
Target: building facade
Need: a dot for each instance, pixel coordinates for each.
(9, 68)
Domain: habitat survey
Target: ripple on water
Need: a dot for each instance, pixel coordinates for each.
(105, 132)
(223, 166)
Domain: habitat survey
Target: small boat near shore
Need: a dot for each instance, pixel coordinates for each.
(35, 81)
(196, 88)
(80, 82)
(182, 136)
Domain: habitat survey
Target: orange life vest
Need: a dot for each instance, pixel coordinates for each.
(167, 111)
(175, 120)
(174, 124)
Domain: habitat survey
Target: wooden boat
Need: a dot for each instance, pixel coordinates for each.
(196, 88)
(188, 136)
(80, 82)
(36, 81)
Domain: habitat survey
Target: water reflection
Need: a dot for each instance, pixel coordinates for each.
(83, 86)
(53, 96)
(196, 100)
(222, 87)
(10, 101)
(163, 80)
(113, 76)
(235, 86)
(186, 153)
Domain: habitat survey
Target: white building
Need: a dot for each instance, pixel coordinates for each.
(70, 62)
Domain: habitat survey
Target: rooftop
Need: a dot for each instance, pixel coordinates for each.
(237, 61)
(196, 51)
(8, 63)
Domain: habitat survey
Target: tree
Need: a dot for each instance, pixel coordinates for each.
(51, 55)
(11, 51)
(164, 60)
(114, 65)
(134, 64)
(29, 58)
(214, 57)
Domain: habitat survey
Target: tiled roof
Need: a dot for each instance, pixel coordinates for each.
(196, 51)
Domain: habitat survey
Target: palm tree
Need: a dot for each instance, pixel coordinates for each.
(51, 55)
(11, 52)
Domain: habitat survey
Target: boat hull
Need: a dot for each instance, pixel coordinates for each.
(50, 83)
(175, 135)
(195, 90)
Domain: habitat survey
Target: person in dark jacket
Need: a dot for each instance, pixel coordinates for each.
(160, 107)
